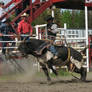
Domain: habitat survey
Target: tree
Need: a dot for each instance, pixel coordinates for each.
(74, 18)
(42, 18)
(66, 18)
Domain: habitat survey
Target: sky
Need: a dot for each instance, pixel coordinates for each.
(5, 0)
(10, 0)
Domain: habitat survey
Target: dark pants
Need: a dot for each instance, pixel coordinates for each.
(53, 49)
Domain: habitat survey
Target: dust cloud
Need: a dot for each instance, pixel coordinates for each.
(23, 70)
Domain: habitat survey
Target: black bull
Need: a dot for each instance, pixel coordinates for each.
(41, 46)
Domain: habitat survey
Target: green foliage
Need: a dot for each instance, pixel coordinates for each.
(12, 17)
(90, 19)
(73, 18)
(66, 18)
(58, 17)
(42, 18)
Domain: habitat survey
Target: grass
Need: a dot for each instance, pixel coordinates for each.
(60, 73)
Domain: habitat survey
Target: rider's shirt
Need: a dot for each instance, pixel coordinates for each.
(52, 29)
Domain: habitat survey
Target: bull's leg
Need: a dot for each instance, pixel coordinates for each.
(50, 65)
(82, 72)
(44, 68)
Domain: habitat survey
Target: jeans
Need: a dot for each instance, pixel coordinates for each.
(53, 49)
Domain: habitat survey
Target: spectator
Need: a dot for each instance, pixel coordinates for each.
(5, 29)
(24, 27)
(2, 11)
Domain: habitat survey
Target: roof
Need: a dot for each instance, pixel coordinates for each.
(71, 4)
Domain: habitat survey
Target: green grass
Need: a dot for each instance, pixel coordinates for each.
(60, 73)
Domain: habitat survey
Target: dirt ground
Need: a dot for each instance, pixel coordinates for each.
(33, 83)
(62, 84)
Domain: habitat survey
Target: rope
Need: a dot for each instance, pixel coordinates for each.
(68, 59)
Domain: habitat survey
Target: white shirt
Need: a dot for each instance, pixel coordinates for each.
(54, 28)
(2, 12)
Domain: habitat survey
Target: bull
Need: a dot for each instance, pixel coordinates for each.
(67, 56)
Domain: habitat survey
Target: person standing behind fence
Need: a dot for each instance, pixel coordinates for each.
(24, 27)
(5, 29)
(2, 11)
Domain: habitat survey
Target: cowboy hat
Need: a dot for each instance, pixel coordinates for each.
(24, 15)
(49, 17)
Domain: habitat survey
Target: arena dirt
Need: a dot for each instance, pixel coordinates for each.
(63, 84)
(30, 82)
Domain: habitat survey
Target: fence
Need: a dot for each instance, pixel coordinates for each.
(74, 37)
(77, 38)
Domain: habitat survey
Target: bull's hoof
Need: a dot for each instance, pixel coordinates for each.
(83, 74)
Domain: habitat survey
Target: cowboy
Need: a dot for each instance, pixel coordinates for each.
(52, 30)
(24, 27)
